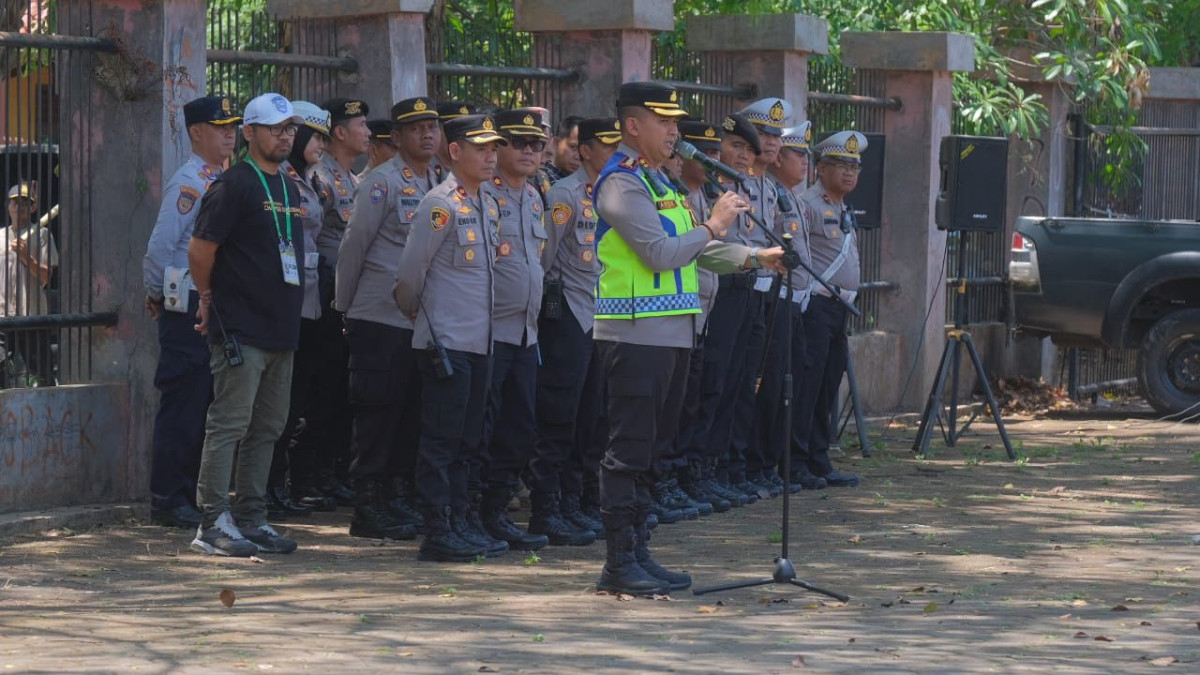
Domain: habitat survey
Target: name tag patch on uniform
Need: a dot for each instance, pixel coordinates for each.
(188, 196)
(378, 192)
(439, 217)
(666, 204)
(561, 213)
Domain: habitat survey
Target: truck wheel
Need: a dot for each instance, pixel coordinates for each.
(1168, 365)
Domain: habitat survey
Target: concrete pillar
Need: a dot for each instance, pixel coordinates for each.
(772, 50)
(385, 37)
(130, 113)
(609, 44)
(919, 67)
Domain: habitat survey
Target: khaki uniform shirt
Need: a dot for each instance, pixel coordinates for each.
(384, 207)
(310, 224)
(519, 273)
(824, 218)
(335, 187)
(446, 272)
(571, 246)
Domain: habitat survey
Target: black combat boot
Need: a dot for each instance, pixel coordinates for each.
(499, 526)
(371, 517)
(573, 514)
(691, 481)
(306, 494)
(547, 519)
(280, 505)
(622, 573)
(329, 485)
(467, 525)
(685, 500)
(677, 580)
(401, 508)
(714, 486)
(441, 544)
(666, 513)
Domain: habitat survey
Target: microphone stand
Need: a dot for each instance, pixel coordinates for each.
(784, 571)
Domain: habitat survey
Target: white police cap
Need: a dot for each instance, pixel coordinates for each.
(314, 117)
(844, 146)
(770, 115)
(798, 137)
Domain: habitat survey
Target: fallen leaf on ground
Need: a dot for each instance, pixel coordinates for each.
(624, 597)
(227, 597)
(488, 669)
(918, 589)
(852, 639)
(256, 559)
(1065, 617)
(1120, 608)
(1058, 489)
(1133, 599)
(1164, 661)
(1102, 638)
(856, 539)
(889, 603)
(1081, 635)
(798, 662)
(813, 605)
(1145, 623)
(930, 608)
(706, 609)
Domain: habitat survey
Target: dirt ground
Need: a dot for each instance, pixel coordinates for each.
(1077, 558)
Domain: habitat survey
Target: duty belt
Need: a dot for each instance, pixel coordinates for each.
(739, 280)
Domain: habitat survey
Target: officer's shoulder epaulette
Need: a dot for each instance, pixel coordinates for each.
(629, 164)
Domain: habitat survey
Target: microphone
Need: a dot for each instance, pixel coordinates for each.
(688, 151)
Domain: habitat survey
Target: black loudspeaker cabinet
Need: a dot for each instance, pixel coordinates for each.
(974, 183)
(867, 198)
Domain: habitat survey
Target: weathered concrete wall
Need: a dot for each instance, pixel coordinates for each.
(880, 366)
(63, 446)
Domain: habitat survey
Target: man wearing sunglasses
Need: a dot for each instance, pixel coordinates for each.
(246, 257)
(834, 248)
(509, 422)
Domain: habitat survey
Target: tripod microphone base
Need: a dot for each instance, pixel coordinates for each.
(785, 573)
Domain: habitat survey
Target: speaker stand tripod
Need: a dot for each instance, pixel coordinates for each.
(956, 339)
(853, 407)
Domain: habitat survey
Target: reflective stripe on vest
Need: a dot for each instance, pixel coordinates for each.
(628, 288)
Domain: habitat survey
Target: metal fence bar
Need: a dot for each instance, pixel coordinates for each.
(282, 59)
(453, 69)
(75, 320)
(742, 91)
(49, 41)
(891, 103)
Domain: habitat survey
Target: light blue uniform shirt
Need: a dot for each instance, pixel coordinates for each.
(168, 243)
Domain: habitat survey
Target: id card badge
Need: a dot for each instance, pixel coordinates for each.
(287, 256)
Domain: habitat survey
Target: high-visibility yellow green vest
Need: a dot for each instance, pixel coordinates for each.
(628, 288)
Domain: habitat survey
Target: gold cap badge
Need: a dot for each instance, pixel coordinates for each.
(487, 124)
(353, 108)
(528, 120)
(710, 132)
(852, 144)
(776, 112)
(419, 105)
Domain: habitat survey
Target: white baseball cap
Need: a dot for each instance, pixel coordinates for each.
(270, 109)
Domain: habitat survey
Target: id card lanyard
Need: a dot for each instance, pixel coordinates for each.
(287, 250)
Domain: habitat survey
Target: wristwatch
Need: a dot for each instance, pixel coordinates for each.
(754, 259)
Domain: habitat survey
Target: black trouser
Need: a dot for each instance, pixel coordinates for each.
(591, 430)
(184, 384)
(293, 459)
(566, 359)
(824, 364)
(451, 424)
(326, 432)
(675, 456)
(741, 382)
(384, 398)
(645, 396)
(708, 440)
(772, 433)
(510, 419)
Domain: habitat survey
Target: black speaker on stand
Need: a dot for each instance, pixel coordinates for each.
(972, 198)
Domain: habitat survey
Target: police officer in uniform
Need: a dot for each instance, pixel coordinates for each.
(685, 460)
(380, 149)
(510, 421)
(182, 378)
(384, 382)
(647, 303)
(565, 332)
(769, 116)
(445, 281)
(834, 247)
(771, 435)
(448, 110)
(311, 140)
(327, 429)
(733, 315)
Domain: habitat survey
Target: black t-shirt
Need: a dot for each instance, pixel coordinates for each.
(248, 290)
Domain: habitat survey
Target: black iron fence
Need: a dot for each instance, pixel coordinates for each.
(708, 82)
(481, 59)
(251, 53)
(48, 58)
(1091, 373)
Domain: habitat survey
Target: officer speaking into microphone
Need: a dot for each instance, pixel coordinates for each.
(647, 303)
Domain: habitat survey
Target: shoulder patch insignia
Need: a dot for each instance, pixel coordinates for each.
(560, 214)
(440, 217)
(378, 192)
(188, 196)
